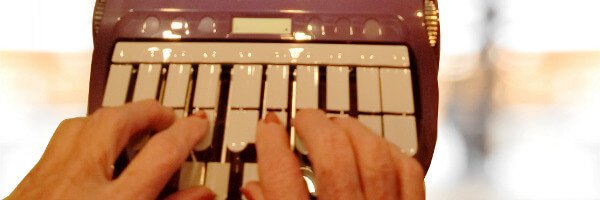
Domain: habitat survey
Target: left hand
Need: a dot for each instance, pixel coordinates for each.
(78, 162)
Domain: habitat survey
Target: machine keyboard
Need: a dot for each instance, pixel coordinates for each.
(237, 84)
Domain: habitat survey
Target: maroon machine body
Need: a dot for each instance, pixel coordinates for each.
(412, 23)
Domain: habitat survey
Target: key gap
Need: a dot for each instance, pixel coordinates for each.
(163, 82)
(353, 92)
(219, 130)
(322, 87)
(380, 100)
(191, 89)
(132, 81)
(290, 97)
(236, 174)
(276, 110)
(396, 113)
(262, 91)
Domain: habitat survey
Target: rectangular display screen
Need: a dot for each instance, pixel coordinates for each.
(262, 26)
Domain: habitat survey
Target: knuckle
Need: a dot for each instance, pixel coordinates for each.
(106, 113)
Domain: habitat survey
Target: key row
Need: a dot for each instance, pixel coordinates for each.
(383, 97)
(378, 90)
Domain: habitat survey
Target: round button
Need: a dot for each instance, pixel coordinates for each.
(207, 26)
(179, 24)
(150, 25)
(315, 27)
(372, 29)
(343, 27)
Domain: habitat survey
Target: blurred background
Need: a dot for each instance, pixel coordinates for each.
(519, 91)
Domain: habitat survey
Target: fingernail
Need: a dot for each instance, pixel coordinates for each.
(272, 118)
(200, 114)
(246, 193)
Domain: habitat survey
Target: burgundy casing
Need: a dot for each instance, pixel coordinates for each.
(402, 23)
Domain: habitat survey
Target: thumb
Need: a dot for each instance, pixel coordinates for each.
(195, 193)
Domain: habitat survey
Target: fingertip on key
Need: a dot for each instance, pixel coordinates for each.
(272, 118)
(200, 114)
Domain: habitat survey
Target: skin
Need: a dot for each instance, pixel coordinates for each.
(349, 161)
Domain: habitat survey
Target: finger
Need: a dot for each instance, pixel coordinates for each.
(253, 191)
(109, 129)
(195, 193)
(278, 168)
(375, 163)
(410, 175)
(150, 170)
(331, 155)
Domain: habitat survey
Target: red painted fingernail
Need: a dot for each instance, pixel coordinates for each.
(272, 118)
(246, 194)
(200, 114)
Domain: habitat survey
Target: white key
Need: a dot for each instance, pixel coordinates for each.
(179, 113)
(276, 86)
(396, 90)
(367, 86)
(191, 174)
(373, 122)
(300, 145)
(245, 86)
(240, 129)
(206, 94)
(338, 88)
(250, 173)
(146, 84)
(307, 87)
(117, 85)
(177, 85)
(207, 140)
(217, 178)
(402, 131)
(282, 116)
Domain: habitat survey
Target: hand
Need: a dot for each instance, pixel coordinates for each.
(77, 163)
(349, 161)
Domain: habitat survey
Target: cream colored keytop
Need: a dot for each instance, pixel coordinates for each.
(240, 129)
(396, 90)
(117, 85)
(244, 91)
(147, 81)
(177, 84)
(373, 122)
(402, 131)
(217, 179)
(207, 140)
(191, 174)
(206, 94)
(307, 87)
(368, 91)
(250, 173)
(338, 88)
(300, 145)
(276, 86)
